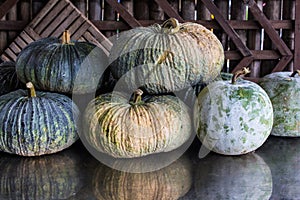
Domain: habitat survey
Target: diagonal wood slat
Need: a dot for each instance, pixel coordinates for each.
(6, 6)
(168, 9)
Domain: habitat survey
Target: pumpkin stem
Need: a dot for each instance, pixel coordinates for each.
(295, 72)
(171, 26)
(137, 96)
(66, 37)
(31, 90)
(239, 73)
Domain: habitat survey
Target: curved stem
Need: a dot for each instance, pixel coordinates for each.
(295, 72)
(239, 73)
(171, 25)
(31, 90)
(66, 37)
(137, 96)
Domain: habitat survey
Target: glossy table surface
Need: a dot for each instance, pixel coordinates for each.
(271, 172)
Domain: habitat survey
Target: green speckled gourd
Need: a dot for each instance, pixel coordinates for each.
(125, 129)
(283, 89)
(46, 177)
(36, 123)
(166, 58)
(57, 65)
(8, 78)
(233, 117)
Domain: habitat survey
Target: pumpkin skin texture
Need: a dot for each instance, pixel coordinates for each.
(166, 58)
(233, 119)
(233, 177)
(8, 78)
(37, 125)
(124, 129)
(53, 65)
(171, 182)
(284, 92)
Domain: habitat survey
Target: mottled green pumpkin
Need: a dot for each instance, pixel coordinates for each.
(46, 177)
(8, 78)
(284, 92)
(62, 66)
(171, 182)
(233, 177)
(36, 123)
(122, 128)
(166, 58)
(233, 117)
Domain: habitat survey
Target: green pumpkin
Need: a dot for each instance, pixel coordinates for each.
(166, 58)
(36, 123)
(123, 129)
(171, 182)
(8, 78)
(62, 66)
(283, 89)
(46, 177)
(233, 117)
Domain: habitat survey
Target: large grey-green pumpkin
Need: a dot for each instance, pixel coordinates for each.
(122, 128)
(62, 66)
(283, 89)
(8, 78)
(166, 58)
(233, 117)
(36, 123)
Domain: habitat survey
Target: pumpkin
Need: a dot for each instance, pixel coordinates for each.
(171, 182)
(283, 89)
(282, 155)
(8, 78)
(166, 58)
(125, 128)
(62, 66)
(233, 177)
(36, 123)
(46, 177)
(233, 117)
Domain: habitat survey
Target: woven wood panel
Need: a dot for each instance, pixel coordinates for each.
(52, 20)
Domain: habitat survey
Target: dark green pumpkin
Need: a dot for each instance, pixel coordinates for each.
(62, 66)
(36, 123)
(166, 58)
(8, 78)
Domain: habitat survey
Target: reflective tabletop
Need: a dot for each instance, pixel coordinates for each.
(271, 172)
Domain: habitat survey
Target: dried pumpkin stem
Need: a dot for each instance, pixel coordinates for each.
(31, 90)
(295, 72)
(171, 25)
(239, 73)
(137, 96)
(66, 37)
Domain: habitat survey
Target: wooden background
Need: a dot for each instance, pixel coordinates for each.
(262, 34)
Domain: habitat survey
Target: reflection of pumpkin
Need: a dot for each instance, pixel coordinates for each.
(8, 78)
(284, 92)
(54, 176)
(170, 182)
(61, 65)
(168, 57)
(233, 117)
(137, 128)
(36, 123)
(224, 177)
(283, 157)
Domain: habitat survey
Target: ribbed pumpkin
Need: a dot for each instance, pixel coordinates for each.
(283, 89)
(56, 176)
(122, 128)
(62, 66)
(233, 117)
(8, 78)
(36, 123)
(166, 58)
(171, 182)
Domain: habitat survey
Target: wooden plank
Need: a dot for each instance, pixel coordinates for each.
(14, 47)
(95, 10)
(21, 43)
(257, 55)
(30, 34)
(141, 9)
(65, 24)
(105, 42)
(297, 36)
(169, 10)
(12, 15)
(81, 6)
(132, 22)
(74, 26)
(12, 25)
(6, 6)
(89, 37)
(109, 14)
(9, 54)
(202, 12)
(37, 5)
(80, 31)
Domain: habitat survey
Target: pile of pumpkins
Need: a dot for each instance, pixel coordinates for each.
(142, 114)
